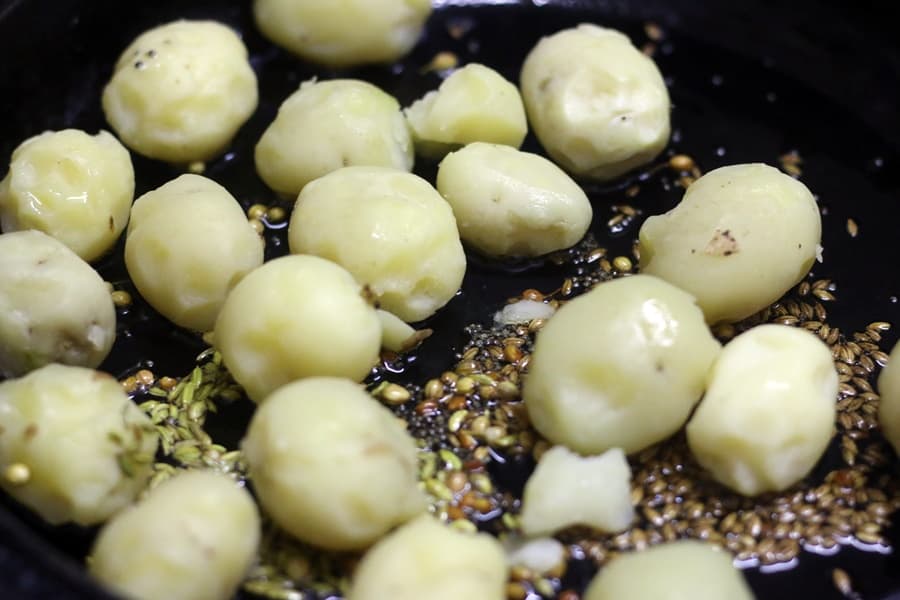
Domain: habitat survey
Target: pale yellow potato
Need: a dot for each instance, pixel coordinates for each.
(85, 446)
(474, 104)
(680, 570)
(512, 203)
(71, 185)
(769, 410)
(188, 243)
(341, 34)
(390, 229)
(296, 317)
(889, 407)
(326, 125)
(741, 237)
(194, 537)
(180, 91)
(619, 367)
(427, 559)
(566, 489)
(53, 306)
(331, 465)
(597, 104)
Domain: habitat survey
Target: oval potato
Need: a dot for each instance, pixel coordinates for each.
(889, 407)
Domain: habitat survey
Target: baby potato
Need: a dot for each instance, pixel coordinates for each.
(326, 125)
(194, 537)
(331, 465)
(742, 236)
(889, 407)
(53, 306)
(180, 91)
(295, 317)
(188, 243)
(619, 367)
(598, 106)
(427, 559)
(390, 229)
(474, 104)
(681, 570)
(512, 203)
(341, 34)
(769, 410)
(74, 448)
(71, 185)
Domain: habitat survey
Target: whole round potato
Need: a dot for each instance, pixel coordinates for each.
(341, 34)
(620, 366)
(390, 229)
(769, 410)
(53, 306)
(194, 537)
(180, 91)
(78, 447)
(188, 243)
(331, 465)
(598, 106)
(295, 317)
(71, 185)
(512, 203)
(889, 407)
(326, 125)
(427, 559)
(742, 236)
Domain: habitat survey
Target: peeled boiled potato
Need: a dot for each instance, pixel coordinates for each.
(427, 559)
(71, 185)
(566, 489)
(181, 91)
(390, 229)
(189, 242)
(194, 537)
(742, 236)
(474, 104)
(769, 410)
(889, 407)
(331, 465)
(596, 103)
(512, 203)
(53, 306)
(295, 317)
(619, 367)
(341, 34)
(682, 570)
(74, 448)
(326, 125)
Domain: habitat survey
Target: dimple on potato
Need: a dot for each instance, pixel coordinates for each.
(889, 407)
(742, 236)
(71, 185)
(188, 243)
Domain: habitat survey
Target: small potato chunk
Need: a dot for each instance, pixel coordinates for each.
(566, 489)
(889, 407)
(598, 106)
(427, 559)
(741, 237)
(619, 367)
(769, 410)
(53, 306)
(512, 203)
(326, 125)
(188, 243)
(194, 537)
(71, 185)
(390, 229)
(295, 317)
(74, 448)
(341, 34)
(682, 570)
(474, 104)
(181, 91)
(331, 465)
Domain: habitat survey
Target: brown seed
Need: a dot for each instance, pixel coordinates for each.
(681, 162)
(516, 591)
(842, 581)
(533, 294)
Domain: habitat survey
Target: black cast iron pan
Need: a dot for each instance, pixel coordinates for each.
(749, 81)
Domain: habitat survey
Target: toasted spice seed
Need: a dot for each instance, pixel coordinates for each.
(622, 264)
(395, 394)
(852, 228)
(681, 162)
(121, 298)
